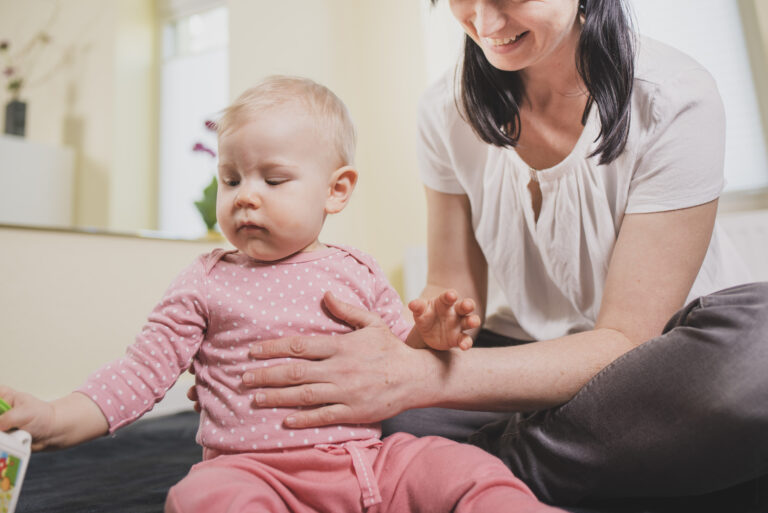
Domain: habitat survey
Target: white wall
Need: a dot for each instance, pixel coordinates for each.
(711, 31)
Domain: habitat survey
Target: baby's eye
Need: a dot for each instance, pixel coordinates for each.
(275, 181)
(230, 182)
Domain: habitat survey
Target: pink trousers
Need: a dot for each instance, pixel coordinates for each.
(402, 474)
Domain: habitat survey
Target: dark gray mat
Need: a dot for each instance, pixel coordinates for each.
(132, 471)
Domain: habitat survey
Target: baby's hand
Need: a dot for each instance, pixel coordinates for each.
(441, 321)
(28, 413)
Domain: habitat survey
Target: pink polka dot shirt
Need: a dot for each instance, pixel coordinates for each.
(210, 315)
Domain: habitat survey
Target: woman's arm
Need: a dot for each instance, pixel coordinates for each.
(455, 260)
(656, 258)
(456, 268)
(654, 264)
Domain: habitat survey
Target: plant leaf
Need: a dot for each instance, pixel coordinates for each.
(207, 205)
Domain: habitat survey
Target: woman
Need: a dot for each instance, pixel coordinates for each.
(580, 169)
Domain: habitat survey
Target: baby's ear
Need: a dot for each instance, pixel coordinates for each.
(340, 188)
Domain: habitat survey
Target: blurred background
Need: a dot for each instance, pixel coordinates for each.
(105, 101)
(123, 88)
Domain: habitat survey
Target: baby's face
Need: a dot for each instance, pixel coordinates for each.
(274, 183)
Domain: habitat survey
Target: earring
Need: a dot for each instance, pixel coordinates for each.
(582, 7)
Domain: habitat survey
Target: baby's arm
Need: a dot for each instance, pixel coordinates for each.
(67, 421)
(441, 322)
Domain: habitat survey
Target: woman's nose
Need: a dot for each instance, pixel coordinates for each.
(489, 19)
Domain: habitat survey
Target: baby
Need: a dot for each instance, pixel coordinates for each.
(285, 161)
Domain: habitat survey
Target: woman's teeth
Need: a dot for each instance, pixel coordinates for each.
(505, 41)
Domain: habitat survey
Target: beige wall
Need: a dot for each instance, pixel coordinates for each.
(99, 96)
(371, 54)
(93, 88)
(58, 290)
(71, 302)
(754, 15)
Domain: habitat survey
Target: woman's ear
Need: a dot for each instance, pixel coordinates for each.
(340, 188)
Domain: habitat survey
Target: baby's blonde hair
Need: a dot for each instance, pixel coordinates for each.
(333, 119)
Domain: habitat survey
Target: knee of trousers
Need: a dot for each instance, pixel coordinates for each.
(730, 352)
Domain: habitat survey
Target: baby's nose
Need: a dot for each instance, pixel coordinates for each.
(248, 199)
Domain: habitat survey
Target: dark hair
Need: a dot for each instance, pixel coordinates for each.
(491, 97)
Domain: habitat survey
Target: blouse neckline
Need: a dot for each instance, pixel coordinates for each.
(579, 151)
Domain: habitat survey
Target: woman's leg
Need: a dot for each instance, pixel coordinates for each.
(685, 413)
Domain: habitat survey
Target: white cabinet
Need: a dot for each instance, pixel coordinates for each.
(36, 183)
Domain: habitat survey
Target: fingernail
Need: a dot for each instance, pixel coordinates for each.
(257, 349)
(248, 378)
(259, 398)
(290, 421)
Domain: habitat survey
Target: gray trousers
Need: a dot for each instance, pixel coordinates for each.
(685, 413)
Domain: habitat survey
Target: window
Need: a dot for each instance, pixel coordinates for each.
(711, 32)
(194, 88)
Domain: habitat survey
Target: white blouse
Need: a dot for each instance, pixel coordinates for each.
(552, 271)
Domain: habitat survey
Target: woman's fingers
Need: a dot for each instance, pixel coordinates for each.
(332, 414)
(350, 314)
(293, 397)
(286, 374)
(334, 378)
(317, 348)
(310, 348)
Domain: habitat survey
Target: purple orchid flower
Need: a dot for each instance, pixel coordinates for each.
(205, 149)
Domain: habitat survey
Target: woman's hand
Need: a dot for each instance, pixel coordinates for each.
(363, 376)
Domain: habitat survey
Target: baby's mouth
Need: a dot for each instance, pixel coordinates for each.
(250, 227)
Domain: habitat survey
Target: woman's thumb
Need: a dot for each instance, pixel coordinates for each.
(350, 314)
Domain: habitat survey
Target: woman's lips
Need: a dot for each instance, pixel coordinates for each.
(504, 45)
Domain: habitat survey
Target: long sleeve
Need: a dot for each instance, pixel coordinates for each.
(130, 386)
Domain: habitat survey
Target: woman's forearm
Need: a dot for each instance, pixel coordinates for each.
(518, 378)
(369, 374)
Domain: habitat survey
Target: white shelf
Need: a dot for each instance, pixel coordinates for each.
(36, 183)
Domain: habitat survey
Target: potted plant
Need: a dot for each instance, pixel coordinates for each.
(16, 70)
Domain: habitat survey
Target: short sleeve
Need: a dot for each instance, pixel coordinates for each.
(432, 153)
(681, 164)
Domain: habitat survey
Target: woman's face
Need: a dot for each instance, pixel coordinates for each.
(519, 34)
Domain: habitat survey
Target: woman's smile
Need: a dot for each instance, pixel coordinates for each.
(504, 45)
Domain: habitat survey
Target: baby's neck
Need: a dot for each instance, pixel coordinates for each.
(315, 246)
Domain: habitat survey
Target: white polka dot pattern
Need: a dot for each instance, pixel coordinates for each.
(211, 314)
